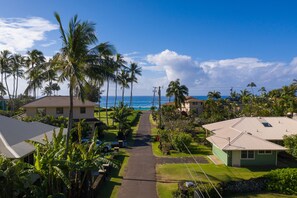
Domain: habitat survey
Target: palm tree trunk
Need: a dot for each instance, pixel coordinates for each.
(131, 94)
(123, 94)
(116, 91)
(2, 79)
(17, 86)
(107, 90)
(99, 87)
(13, 86)
(7, 88)
(70, 119)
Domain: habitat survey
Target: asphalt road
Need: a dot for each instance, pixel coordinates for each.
(140, 177)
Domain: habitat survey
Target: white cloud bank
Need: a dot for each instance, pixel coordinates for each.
(221, 75)
(20, 34)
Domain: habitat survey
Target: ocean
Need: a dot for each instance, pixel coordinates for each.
(139, 102)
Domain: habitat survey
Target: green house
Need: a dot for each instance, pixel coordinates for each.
(249, 141)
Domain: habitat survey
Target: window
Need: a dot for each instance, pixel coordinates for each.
(265, 152)
(195, 103)
(41, 110)
(247, 154)
(266, 124)
(59, 110)
(83, 110)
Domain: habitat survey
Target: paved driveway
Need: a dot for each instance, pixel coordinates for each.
(140, 177)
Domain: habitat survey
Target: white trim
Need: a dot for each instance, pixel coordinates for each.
(265, 152)
(8, 146)
(247, 155)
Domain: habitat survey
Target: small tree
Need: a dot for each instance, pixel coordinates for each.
(290, 142)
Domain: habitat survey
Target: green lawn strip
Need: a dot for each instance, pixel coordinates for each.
(111, 187)
(165, 190)
(195, 148)
(170, 174)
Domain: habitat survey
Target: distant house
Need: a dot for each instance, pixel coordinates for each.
(191, 105)
(14, 134)
(59, 106)
(250, 141)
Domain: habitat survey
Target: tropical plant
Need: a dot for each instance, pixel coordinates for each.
(5, 61)
(252, 85)
(120, 115)
(120, 64)
(178, 91)
(2, 89)
(214, 95)
(134, 70)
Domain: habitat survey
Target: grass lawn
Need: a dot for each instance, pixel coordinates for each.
(170, 174)
(111, 188)
(195, 148)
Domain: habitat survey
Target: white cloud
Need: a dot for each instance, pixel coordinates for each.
(52, 42)
(222, 74)
(20, 34)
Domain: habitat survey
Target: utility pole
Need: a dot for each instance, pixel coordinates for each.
(155, 90)
(160, 112)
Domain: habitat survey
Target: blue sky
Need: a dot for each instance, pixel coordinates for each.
(209, 45)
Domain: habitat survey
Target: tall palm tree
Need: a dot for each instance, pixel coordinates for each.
(2, 89)
(134, 70)
(73, 58)
(120, 64)
(123, 80)
(18, 62)
(178, 91)
(252, 85)
(5, 61)
(104, 62)
(36, 65)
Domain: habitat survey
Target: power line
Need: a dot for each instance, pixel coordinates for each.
(202, 170)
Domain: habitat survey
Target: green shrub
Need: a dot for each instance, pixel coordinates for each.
(283, 181)
(181, 140)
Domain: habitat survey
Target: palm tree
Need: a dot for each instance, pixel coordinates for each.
(36, 65)
(134, 70)
(104, 67)
(178, 91)
(123, 80)
(251, 85)
(214, 95)
(5, 61)
(263, 91)
(120, 64)
(18, 62)
(244, 95)
(73, 58)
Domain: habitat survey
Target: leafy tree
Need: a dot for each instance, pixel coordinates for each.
(290, 142)
(178, 91)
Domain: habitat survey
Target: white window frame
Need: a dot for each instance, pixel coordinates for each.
(265, 152)
(247, 154)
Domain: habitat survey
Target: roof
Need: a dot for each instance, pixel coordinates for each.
(14, 133)
(192, 99)
(58, 101)
(251, 133)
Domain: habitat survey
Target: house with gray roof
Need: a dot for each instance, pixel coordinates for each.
(59, 106)
(250, 141)
(15, 133)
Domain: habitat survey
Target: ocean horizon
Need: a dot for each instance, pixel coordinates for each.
(140, 102)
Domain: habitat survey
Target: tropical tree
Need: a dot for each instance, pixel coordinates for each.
(134, 70)
(73, 58)
(252, 85)
(123, 80)
(214, 95)
(120, 64)
(35, 62)
(178, 91)
(2, 89)
(18, 62)
(5, 61)
(120, 115)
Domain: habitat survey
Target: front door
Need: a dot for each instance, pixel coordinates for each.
(236, 155)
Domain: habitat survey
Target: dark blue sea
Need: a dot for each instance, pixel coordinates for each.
(139, 102)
